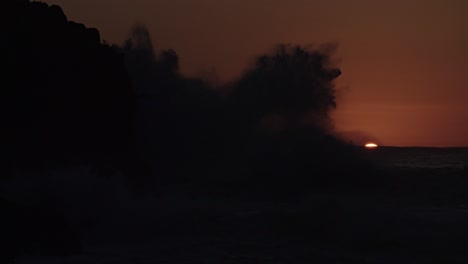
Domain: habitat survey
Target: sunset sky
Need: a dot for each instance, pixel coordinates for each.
(404, 62)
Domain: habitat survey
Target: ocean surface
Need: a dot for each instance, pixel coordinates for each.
(420, 157)
(322, 229)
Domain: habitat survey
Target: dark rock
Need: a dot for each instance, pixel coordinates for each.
(36, 230)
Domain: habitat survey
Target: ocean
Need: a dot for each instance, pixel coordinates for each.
(324, 228)
(420, 157)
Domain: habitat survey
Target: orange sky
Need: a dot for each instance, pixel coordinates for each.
(404, 62)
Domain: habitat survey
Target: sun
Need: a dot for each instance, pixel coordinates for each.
(370, 145)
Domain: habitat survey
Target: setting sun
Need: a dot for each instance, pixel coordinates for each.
(371, 145)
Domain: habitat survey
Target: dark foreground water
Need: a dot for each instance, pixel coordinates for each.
(424, 220)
